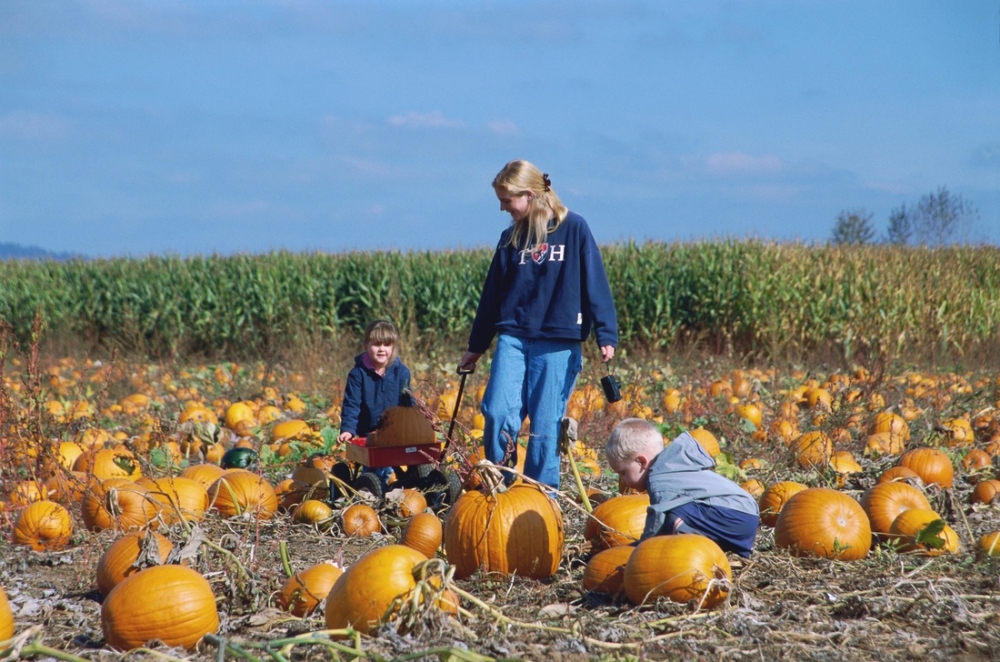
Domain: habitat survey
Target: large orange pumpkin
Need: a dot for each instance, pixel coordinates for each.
(826, 523)
(932, 465)
(304, 590)
(205, 473)
(605, 572)
(119, 560)
(182, 498)
(519, 531)
(617, 521)
(774, 499)
(361, 596)
(172, 603)
(238, 492)
(119, 504)
(885, 501)
(44, 526)
(680, 567)
(117, 462)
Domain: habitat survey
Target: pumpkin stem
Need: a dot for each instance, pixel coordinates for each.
(491, 476)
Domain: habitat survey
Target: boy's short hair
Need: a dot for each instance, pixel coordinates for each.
(381, 332)
(630, 437)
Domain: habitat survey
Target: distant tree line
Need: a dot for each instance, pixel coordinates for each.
(11, 251)
(938, 218)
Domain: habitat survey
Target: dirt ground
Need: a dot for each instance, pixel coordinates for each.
(886, 607)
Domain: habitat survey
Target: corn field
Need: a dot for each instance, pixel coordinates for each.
(767, 299)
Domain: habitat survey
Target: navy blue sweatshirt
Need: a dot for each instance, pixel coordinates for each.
(368, 394)
(559, 291)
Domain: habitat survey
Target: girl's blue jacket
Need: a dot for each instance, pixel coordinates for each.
(368, 394)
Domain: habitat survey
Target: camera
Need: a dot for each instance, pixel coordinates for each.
(612, 388)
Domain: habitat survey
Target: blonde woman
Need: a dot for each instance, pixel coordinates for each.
(545, 292)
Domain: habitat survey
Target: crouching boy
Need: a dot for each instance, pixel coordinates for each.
(685, 494)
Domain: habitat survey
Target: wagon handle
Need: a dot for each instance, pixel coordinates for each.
(458, 403)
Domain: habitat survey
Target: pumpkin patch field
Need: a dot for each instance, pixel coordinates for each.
(175, 511)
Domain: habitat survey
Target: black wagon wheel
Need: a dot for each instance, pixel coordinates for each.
(442, 488)
(343, 472)
(369, 482)
(412, 476)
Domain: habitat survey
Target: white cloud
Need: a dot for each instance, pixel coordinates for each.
(434, 119)
(31, 126)
(728, 163)
(504, 127)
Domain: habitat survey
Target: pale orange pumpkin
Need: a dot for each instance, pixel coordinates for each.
(893, 424)
(44, 526)
(822, 522)
(6, 618)
(519, 531)
(884, 443)
(302, 593)
(885, 501)
(932, 465)
(362, 595)
(681, 568)
(753, 487)
(989, 544)
(314, 512)
(985, 491)
(975, 462)
(119, 560)
(605, 571)
(361, 520)
(899, 474)
(239, 492)
(812, 449)
(172, 603)
(906, 529)
(423, 533)
(412, 502)
(617, 521)
(707, 440)
(774, 498)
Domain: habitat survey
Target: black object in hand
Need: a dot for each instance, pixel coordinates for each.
(612, 388)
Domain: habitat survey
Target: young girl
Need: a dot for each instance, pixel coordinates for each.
(545, 291)
(377, 381)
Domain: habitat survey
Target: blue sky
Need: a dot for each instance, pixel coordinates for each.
(137, 127)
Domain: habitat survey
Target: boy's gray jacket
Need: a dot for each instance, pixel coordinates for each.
(683, 472)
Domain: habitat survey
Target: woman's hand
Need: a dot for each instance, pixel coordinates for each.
(468, 361)
(607, 353)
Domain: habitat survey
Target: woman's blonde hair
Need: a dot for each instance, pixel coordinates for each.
(382, 332)
(520, 177)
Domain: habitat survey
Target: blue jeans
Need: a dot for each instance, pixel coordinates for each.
(532, 378)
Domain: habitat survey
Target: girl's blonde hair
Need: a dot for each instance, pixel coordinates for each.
(382, 332)
(520, 177)
(631, 437)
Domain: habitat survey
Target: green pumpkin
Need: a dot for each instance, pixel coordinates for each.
(240, 458)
